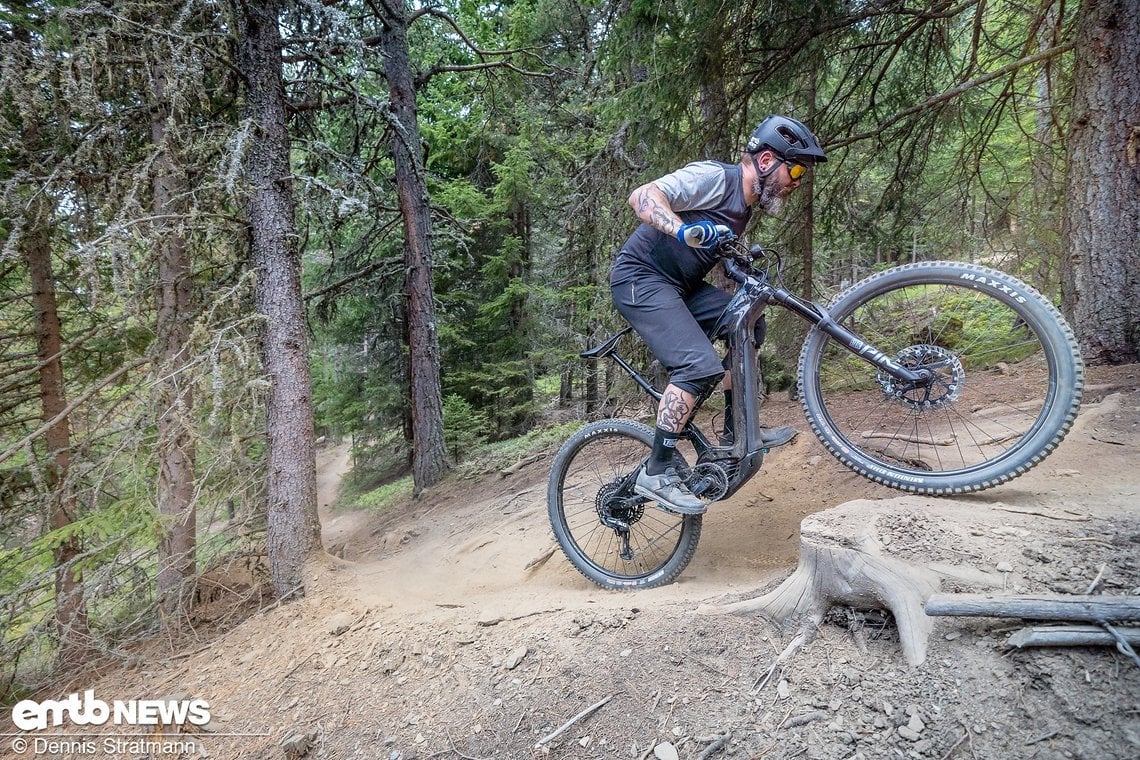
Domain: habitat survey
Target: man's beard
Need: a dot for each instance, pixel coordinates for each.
(768, 198)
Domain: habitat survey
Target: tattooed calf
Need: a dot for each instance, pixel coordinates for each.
(674, 411)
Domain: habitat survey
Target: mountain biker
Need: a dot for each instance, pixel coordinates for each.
(657, 281)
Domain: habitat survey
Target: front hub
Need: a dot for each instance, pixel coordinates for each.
(942, 386)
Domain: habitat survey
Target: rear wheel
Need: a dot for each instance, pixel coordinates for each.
(1008, 379)
(613, 537)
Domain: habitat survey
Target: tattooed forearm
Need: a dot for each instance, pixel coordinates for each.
(674, 410)
(653, 208)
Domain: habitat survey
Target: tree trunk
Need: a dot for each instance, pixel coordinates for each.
(518, 416)
(807, 231)
(293, 526)
(715, 116)
(593, 397)
(1043, 113)
(714, 97)
(566, 387)
(1101, 233)
(177, 537)
(1043, 239)
(70, 606)
(807, 192)
(429, 451)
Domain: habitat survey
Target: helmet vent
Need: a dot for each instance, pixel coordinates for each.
(791, 137)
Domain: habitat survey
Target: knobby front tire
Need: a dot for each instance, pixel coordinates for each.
(587, 468)
(1010, 379)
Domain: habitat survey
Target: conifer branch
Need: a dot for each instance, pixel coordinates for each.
(14, 449)
(375, 266)
(950, 95)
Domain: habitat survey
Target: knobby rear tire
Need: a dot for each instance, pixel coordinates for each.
(596, 455)
(993, 330)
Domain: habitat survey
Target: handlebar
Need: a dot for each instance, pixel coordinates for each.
(738, 260)
(733, 270)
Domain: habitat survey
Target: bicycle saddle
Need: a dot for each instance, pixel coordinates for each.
(605, 349)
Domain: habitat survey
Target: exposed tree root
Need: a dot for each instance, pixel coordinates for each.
(842, 563)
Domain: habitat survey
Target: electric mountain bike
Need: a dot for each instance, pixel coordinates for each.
(933, 378)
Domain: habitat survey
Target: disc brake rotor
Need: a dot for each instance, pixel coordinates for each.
(949, 376)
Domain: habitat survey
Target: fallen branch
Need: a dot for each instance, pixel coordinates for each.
(1108, 440)
(913, 439)
(803, 720)
(718, 743)
(1096, 581)
(565, 726)
(536, 612)
(519, 465)
(914, 462)
(957, 744)
(1042, 738)
(1122, 644)
(1071, 636)
(1025, 406)
(1036, 606)
(808, 628)
(1072, 516)
(454, 749)
(1000, 438)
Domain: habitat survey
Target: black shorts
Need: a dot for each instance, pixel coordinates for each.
(676, 326)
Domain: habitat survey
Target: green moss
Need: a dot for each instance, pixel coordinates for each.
(379, 499)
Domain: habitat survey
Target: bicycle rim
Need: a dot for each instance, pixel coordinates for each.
(991, 410)
(590, 476)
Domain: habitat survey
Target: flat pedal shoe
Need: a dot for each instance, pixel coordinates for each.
(773, 437)
(668, 490)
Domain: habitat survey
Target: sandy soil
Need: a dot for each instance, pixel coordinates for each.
(428, 636)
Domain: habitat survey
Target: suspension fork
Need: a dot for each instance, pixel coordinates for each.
(819, 317)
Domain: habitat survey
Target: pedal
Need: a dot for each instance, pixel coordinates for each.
(701, 486)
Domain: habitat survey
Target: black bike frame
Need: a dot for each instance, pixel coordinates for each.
(738, 322)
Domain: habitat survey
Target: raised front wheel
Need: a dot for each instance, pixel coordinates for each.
(1006, 379)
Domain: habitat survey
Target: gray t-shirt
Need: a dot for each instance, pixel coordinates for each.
(704, 190)
(698, 185)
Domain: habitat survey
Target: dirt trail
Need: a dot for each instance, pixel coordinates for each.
(430, 638)
(470, 543)
(333, 463)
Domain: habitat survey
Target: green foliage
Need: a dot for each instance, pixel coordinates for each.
(463, 426)
(778, 375)
(500, 454)
(528, 167)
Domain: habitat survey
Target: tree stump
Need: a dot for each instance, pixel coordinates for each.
(842, 563)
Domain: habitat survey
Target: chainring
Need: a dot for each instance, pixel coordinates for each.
(717, 478)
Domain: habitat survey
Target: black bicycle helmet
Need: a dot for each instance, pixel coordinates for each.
(787, 138)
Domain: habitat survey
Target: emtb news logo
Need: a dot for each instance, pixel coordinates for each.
(29, 715)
